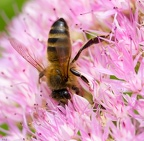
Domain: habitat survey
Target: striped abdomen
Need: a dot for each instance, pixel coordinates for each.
(59, 46)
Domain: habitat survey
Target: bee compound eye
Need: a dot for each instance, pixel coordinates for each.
(54, 94)
(62, 93)
(66, 94)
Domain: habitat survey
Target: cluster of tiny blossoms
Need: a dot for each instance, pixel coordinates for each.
(114, 67)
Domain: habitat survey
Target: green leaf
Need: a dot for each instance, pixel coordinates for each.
(7, 11)
(5, 127)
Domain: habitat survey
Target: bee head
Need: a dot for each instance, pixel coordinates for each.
(61, 94)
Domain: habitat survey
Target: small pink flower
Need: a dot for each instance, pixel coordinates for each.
(112, 105)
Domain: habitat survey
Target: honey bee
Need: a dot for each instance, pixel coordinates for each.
(60, 73)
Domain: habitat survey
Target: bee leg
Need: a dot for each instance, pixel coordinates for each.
(90, 42)
(41, 74)
(76, 89)
(76, 73)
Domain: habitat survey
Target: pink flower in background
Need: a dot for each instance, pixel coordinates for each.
(113, 110)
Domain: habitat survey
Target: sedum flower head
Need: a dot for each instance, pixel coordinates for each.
(111, 108)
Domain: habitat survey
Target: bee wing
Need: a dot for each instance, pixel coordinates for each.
(64, 54)
(23, 51)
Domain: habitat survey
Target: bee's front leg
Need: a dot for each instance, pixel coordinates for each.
(41, 74)
(78, 74)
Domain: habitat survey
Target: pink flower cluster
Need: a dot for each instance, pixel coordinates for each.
(114, 67)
